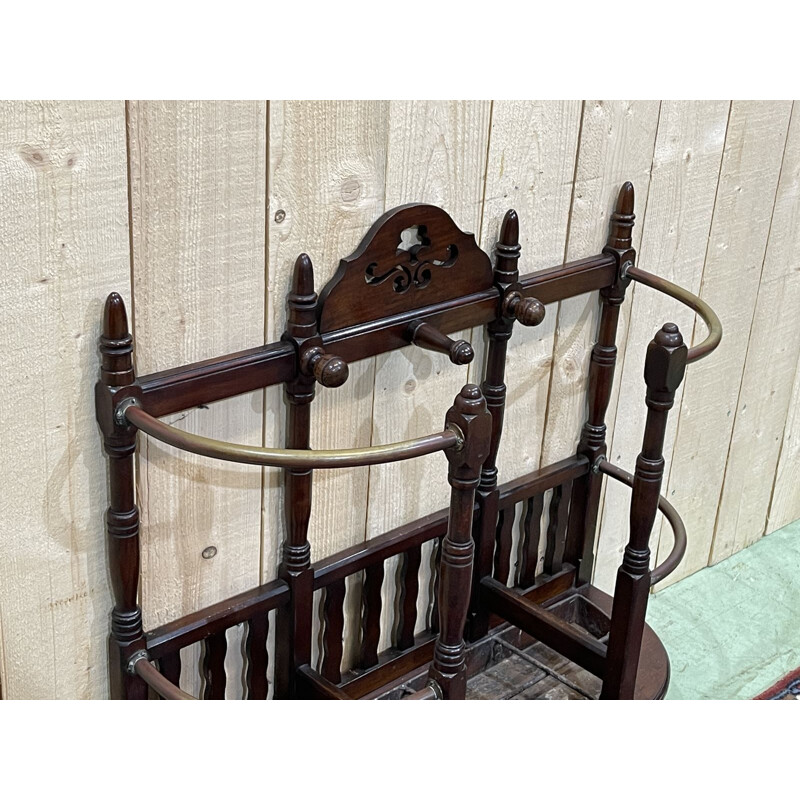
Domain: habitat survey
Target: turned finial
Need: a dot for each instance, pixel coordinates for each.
(116, 344)
(508, 249)
(665, 362)
(620, 234)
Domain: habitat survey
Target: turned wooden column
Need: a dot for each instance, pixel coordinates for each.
(122, 518)
(294, 621)
(585, 500)
(663, 372)
(470, 416)
(528, 311)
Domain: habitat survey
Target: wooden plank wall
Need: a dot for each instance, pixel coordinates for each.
(195, 212)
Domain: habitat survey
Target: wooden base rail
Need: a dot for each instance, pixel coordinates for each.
(415, 279)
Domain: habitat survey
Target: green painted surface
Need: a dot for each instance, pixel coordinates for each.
(733, 630)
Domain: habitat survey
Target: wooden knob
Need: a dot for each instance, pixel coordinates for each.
(526, 310)
(328, 370)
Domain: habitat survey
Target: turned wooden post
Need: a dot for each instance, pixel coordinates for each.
(528, 311)
(294, 620)
(663, 372)
(470, 416)
(585, 500)
(122, 518)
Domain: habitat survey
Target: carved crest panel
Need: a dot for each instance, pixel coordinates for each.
(412, 257)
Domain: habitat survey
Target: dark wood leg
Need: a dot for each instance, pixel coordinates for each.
(122, 518)
(449, 668)
(585, 502)
(663, 373)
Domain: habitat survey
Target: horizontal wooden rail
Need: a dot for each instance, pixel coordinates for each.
(547, 627)
(182, 632)
(678, 551)
(207, 381)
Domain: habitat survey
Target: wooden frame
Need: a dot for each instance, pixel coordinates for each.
(414, 279)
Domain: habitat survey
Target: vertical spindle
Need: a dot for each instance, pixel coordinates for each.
(117, 380)
(407, 593)
(215, 648)
(586, 490)
(531, 535)
(333, 630)
(529, 311)
(294, 621)
(371, 605)
(557, 528)
(663, 372)
(257, 657)
(470, 416)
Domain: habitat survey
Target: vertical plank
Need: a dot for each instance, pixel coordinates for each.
(674, 235)
(785, 504)
(436, 154)
(327, 169)
(327, 166)
(616, 145)
(531, 165)
(737, 242)
(64, 247)
(772, 353)
(502, 551)
(198, 189)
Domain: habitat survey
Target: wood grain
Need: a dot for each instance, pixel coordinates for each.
(198, 195)
(64, 247)
(766, 391)
(737, 242)
(683, 186)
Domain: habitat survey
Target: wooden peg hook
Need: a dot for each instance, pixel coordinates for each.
(428, 337)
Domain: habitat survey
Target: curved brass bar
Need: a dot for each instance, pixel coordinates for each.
(668, 510)
(710, 343)
(293, 459)
(157, 682)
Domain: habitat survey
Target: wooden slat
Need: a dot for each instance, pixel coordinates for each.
(531, 164)
(197, 268)
(766, 391)
(170, 667)
(407, 595)
(257, 657)
(436, 154)
(557, 528)
(327, 166)
(213, 666)
(502, 552)
(333, 630)
(63, 246)
(433, 583)
(745, 199)
(531, 534)
(674, 235)
(785, 505)
(616, 144)
(371, 615)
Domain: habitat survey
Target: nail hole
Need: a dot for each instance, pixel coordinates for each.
(210, 552)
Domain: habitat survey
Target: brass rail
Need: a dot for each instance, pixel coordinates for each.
(299, 459)
(668, 565)
(710, 343)
(155, 680)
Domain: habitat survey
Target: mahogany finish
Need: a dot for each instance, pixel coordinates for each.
(414, 279)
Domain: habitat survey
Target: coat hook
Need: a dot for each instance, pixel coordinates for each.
(428, 337)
